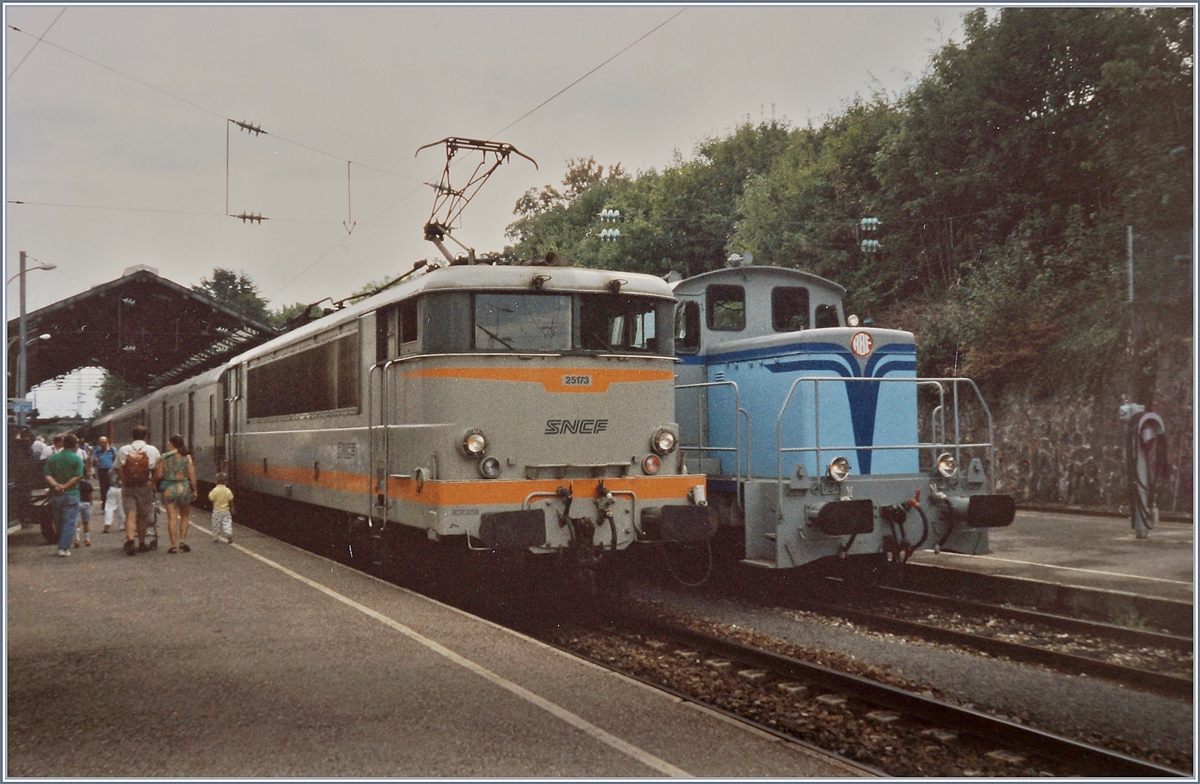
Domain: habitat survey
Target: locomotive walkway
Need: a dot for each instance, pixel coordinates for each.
(258, 659)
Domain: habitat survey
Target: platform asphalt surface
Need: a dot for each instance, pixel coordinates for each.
(1086, 551)
(259, 660)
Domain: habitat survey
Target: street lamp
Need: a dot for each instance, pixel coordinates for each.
(22, 379)
(13, 341)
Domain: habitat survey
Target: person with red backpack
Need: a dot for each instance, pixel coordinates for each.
(135, 465)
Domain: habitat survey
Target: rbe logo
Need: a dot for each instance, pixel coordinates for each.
(861, 344)
(556, 427)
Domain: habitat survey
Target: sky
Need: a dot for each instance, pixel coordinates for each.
(119, 142)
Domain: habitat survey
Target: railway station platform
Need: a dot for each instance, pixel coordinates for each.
(1087, 551)
(259, 659)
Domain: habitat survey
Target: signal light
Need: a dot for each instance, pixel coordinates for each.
(870, 246)
(869, 224)
(610, 235)
(607, 216)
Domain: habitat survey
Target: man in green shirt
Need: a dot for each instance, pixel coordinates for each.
(64, 472)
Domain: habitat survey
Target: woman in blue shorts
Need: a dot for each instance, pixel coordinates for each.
(176, 475)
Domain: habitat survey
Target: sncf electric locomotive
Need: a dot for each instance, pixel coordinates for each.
(524, 408)
(819, 441)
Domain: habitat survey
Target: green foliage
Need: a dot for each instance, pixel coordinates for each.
(280, 318)
(236, 291)
(1004, 181)
(115, 392)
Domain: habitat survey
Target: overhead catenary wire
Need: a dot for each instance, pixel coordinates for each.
(200, 107)
(35, 43)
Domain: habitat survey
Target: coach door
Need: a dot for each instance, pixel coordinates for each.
(190, 435)
(231, 391)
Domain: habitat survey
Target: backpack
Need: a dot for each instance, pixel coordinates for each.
(136, 469)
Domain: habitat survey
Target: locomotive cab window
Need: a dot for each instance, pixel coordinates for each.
(827, 317)
(789, 308)
(726, 308)
(614, 323)
(687, 328)
(522, 322)
(408, 327)
(398, 331)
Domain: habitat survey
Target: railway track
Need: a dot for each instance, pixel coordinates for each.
(891, 729)
(884, 726)
(995, 630)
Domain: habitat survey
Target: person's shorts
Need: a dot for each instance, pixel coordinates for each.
(179, 493)
(138, 499)
(85, 511)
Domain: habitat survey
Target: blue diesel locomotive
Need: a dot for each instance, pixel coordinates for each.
(818, 438)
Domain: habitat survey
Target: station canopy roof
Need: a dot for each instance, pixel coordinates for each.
(150, 331)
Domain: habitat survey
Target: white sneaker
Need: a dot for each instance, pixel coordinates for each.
(63, 553)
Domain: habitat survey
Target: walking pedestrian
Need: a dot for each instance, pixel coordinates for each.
(112, 500)
(85, 514)
(102, 461)
(176, 476)
(221, 498)
(63, 472)
(135, 464)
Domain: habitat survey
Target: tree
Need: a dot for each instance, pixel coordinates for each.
(236, 291)
(115, 392)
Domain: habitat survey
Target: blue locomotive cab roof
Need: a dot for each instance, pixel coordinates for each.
(741, 304)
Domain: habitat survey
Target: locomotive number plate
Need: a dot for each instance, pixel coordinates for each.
(576, 381)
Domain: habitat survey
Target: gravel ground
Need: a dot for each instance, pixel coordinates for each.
(1081, 707)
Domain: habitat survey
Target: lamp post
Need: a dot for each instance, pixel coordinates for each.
(22, 380)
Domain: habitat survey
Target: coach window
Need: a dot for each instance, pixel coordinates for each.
(687, 328)
(726, 308)
(827, 317)
(789, 308)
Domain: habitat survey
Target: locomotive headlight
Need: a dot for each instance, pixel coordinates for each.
(651, 464)
(839, 469)
(663, 441)
(947, 466)
(489, 467)
(474, 443)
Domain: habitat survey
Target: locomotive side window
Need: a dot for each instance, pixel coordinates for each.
(522, 322)
(446, 320)
(827, 316)
(608, 323)
(789, 308)
(687, 328)
(322, 378)
(408, 327)
(726, 308)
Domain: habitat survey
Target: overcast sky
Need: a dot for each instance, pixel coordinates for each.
(117, 131)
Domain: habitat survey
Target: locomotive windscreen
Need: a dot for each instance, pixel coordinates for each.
(522, 322)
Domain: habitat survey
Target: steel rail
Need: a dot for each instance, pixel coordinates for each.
(1092, 760)
(1124, 634)
(1157, 682)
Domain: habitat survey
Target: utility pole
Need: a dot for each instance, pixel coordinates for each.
(21, 355)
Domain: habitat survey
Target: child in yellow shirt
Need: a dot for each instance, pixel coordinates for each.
(221, 498)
